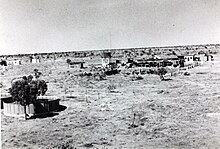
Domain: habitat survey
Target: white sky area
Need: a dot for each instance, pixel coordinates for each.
(32, 26)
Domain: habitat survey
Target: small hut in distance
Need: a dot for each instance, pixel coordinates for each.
(14, 62)
(34, 59)
(106, 58)
(76, 65)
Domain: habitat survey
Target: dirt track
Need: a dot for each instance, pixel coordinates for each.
(179, 113)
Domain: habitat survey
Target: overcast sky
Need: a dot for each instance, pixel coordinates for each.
(29, 26)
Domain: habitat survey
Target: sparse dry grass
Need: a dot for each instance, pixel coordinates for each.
(168, 114)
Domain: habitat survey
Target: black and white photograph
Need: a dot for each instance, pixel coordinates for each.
(110, 74)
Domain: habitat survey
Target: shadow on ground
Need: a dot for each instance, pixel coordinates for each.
(49, 114)
(168, 79)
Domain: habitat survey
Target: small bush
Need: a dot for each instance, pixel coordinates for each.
(186, 74)
(37, 73)
(68, 61)
(25, 90)
(151, 71)
(111, 87)
(137, 78)
(161, 72)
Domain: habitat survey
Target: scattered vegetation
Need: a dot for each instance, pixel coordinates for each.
(137, 77)
(158, 119)
(161, 72)
(111, 88)
(37, 74)
(186, 73)
(68, 61)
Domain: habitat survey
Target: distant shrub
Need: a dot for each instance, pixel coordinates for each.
(161, 72)
(111, 87)
(68, 61)
(137, 78)
(151, 71)
(186, 74)
(99, 76)
(37, 73)
(112, 72)
(35, 70)
(143, 72)
(135, 72)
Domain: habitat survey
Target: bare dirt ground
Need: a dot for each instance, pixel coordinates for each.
(180, 113)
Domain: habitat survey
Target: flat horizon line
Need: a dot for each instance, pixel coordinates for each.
(125, 48)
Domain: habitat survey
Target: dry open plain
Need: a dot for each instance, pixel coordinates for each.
(180, 113)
